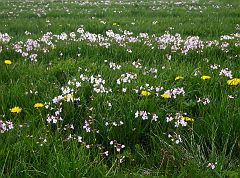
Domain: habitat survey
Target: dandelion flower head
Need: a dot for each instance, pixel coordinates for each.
(205, 77)
(179, 78)
(166, 96)
(8, 62)
(16, 109)
(234, 82)
(38, 105)
(145, 93)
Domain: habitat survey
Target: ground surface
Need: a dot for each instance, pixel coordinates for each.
(119, 88)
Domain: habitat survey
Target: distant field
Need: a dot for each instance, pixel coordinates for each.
(126, 88)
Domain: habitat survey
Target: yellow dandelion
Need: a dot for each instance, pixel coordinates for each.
(179, 78)
(205, 77)
(166, 96)
(145, 93)
(8, 62)
(16, 109)
(38, 105)
(188, 119)
(234, 82)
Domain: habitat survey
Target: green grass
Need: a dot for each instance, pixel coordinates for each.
(36, 148)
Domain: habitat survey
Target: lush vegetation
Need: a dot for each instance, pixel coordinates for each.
(119, 88)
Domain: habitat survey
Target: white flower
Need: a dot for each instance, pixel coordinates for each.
(79, 139)
(154, 117)
(5, 126)
(212, 165)
(136, 114)
(226, 72)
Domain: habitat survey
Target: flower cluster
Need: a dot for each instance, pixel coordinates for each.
(175, 138)
(204, 101)
(5, 126)
(4, 38)
(55, 117)
(114, 66)
(114, 123)
(126, 78)
(172, 93)
(226, 72)
(144, 115)
(179, 119)
(98, 84)
(212, 165)
(31, 48)
(117, 145)
(147, 90)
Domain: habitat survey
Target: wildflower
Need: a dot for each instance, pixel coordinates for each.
(175, 138)
(169, 118)
(114, 24)
(205, 77)
(5, 126)
(226, 72)
(154, 117)
(214, 66)
(38, 105)
(234, 81)
(79, 138)
(145, 93)
(114, 66)
(172, 93)
(231, 97)
(16, 109)
(8, 62)
(188, 119)
(106, 153)
(68, 97)
(57, 99)
(166, 96)
(178, 139)
(204, 101)
(179, 78)
(143, 114)
(212, 165)
(121, 159)
(124, 90)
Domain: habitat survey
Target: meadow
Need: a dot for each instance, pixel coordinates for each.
(127, 88)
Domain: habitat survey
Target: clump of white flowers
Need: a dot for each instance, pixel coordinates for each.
(5, 126)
